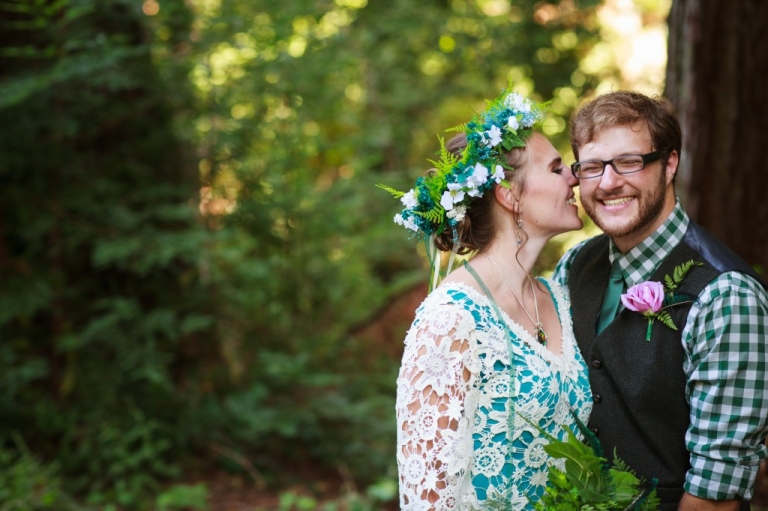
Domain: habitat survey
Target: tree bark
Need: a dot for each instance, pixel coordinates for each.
(716, 77)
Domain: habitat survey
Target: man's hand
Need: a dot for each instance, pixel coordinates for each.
(691, 503)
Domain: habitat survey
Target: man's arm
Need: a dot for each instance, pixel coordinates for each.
(691, 503)
(726, 367)
(563, 268)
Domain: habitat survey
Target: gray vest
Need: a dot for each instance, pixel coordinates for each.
(640, 410)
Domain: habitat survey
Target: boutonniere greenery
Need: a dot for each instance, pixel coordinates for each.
(652, 298)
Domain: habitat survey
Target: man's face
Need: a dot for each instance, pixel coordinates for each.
(627, 207)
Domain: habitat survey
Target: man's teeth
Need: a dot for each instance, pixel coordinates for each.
(616, 202)
(571, 201)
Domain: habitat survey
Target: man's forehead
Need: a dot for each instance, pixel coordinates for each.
(637, 132)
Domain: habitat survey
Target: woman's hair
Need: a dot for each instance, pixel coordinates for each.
(625, 108)
(478, 228)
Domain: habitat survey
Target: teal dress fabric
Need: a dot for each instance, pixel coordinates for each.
(475, 457)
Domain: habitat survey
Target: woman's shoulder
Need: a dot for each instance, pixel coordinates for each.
(452, 293)
(558, 291)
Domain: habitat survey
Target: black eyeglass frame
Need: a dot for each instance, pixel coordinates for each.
(647, 158)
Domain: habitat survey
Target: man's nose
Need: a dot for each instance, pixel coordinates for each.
(610, 180)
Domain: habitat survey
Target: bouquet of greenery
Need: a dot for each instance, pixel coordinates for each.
(589, 482)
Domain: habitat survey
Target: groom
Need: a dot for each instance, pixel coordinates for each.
(688, 405)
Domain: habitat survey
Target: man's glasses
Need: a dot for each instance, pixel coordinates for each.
(624, 164)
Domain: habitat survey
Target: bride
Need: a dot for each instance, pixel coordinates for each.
(491, 352)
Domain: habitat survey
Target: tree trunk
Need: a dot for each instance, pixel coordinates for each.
(716, 77)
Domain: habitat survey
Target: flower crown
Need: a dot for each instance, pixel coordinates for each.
(440, 200)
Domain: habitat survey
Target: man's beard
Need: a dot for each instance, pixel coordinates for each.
(650, 204)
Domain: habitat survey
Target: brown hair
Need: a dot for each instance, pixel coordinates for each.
(625, 108)
(478, 228)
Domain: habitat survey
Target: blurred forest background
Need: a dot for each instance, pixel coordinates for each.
(202, 295)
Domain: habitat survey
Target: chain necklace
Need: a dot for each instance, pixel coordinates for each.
(541, 336)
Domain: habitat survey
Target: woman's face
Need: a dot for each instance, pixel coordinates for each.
(548, 204)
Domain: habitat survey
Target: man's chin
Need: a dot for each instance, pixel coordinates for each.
(616, 229)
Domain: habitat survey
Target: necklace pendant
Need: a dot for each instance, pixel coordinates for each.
(541, 336)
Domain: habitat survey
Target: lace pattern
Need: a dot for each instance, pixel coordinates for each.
(455, 448)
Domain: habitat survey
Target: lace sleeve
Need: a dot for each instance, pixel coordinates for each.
(434, 404)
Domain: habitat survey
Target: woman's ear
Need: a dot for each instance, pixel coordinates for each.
(507, 198)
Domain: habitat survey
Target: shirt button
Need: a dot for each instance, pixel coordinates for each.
(597, 364)
(593, 430)
(596, 398)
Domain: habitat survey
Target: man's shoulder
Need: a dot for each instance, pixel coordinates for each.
(734, 286)
(717, 253)
(563, 268)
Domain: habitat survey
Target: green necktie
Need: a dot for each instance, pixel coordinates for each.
(612, 297)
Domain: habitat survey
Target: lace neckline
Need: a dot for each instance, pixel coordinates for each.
(566, 331)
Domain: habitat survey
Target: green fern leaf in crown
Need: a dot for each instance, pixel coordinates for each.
(395, 193)
(434, 215)
(461, 128)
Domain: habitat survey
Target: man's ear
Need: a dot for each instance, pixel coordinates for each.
(672, 163)
(507, 198)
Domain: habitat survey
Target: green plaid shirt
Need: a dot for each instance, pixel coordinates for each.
(726, 343)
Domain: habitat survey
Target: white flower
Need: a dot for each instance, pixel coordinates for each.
(406, 222)
(494, 135)
(452, 196)
(498, 174)
(457, 213)
(479, 176)
(512, 122)
(409, 200)
(513, 100)
(517, 102)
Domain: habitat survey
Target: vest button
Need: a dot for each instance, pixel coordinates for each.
(594, 430)
(597, 364)
(596, 398)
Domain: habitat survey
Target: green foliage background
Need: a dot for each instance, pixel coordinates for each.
(190, 238)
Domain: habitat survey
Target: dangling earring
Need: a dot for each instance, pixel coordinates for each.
(519, 232)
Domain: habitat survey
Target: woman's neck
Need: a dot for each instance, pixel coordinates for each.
(515, 265)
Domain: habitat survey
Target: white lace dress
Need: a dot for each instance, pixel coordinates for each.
(454, 447)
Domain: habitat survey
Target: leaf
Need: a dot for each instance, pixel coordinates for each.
(460, 128)
(682, 270)
(671, 286)
(589, 436)
(434, 215)
(395, 193)
(665, 318)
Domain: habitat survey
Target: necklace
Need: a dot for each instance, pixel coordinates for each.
(541, 336)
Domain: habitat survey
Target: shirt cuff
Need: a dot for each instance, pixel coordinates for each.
(721, 480)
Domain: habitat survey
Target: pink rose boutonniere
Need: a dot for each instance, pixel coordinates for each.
(652, 298)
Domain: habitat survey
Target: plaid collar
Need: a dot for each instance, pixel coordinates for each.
(642, 260)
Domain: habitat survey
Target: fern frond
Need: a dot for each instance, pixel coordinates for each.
(665, 318)
(682, 270)
(434, 215)
(671, 286)
(395, 193)
(460, 128)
